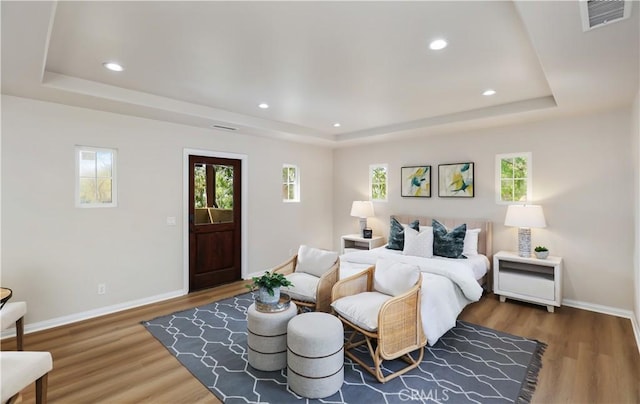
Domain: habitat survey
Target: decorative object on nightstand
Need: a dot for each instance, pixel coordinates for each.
(541, 252)
(524, 217)
(363, 210)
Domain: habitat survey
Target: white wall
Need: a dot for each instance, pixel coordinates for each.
(583, 177)
(54, 255)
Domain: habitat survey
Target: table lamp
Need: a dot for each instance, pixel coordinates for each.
(363, 210)
(524, 217)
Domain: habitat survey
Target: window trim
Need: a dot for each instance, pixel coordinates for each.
(296, 183)
(386, 169)
(498, 177)
(114, 177)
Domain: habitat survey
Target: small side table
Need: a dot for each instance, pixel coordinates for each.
(267, 337)
(355, 242)
(528, 279)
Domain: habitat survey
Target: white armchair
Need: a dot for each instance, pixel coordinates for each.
(382, 305)
(11, 314)
(19, 370)
(313, 273)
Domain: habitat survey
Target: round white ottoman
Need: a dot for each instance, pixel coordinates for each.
(267, 337)
(315, 355)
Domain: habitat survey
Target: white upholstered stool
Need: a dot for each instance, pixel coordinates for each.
(20, 369)
(315, 356)
(12, 313)
(267, 337)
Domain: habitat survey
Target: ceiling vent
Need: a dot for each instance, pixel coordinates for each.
(597, 13)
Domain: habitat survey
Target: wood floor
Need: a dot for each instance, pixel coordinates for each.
(591, 358)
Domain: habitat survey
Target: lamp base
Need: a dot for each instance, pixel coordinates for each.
(363, 225)
(524, 242)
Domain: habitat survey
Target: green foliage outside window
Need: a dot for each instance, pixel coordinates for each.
(200, 186)
(223, 187)
(514, 177)
(378, 182)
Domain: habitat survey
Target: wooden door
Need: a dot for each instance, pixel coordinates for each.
(214, 221)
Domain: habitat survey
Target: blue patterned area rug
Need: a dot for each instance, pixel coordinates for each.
(469, 364)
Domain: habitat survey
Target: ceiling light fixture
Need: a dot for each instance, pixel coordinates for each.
(438, 44)
(113, 66)
(489, 92)
(336, 125)
(263, 105)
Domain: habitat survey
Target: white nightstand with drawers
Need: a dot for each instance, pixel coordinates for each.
(528, 279)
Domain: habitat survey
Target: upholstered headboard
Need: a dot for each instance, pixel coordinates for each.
(484, 238)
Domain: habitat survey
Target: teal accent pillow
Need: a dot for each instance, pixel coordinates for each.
(396, 234)
(448, 244)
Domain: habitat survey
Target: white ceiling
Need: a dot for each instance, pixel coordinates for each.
(366, 65)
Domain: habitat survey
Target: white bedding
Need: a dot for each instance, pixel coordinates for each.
(448, 285)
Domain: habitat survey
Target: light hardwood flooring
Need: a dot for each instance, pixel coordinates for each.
(591, 357)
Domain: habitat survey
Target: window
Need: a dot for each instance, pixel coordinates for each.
(95, 177)
(290, 183)
(513, 177)
(378, 182)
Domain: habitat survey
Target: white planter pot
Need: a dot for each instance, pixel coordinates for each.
(541, 254)
(266, 298)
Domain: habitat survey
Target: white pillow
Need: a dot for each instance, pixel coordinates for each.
(418, 244)
(394, 278)
(315, 261)
(471, 242)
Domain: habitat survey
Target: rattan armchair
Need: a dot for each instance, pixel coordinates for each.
(399, 330)
(310, 291)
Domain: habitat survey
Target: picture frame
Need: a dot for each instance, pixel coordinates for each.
(456, 180)
(416, 181)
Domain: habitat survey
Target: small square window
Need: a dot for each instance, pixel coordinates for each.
(95, 177)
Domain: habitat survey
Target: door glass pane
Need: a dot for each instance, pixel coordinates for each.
(213, 193)
(200, 186)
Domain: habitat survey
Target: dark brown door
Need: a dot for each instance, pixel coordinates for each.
(214, 221)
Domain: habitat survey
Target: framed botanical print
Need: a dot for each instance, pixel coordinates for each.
(455, 180)
(416, 181)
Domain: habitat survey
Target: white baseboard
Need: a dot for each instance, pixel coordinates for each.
(85, 315)
(613, 311)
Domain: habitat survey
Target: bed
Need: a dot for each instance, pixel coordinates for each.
(448, 284)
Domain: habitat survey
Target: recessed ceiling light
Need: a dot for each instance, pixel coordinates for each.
(438, 44)
(113, 66)
(336, 125)
(263, 105)
(489, 92)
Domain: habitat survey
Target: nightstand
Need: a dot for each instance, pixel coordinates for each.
(355, 242)
(528, 279)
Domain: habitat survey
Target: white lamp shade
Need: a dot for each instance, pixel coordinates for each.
(362, 209)
(525, 216)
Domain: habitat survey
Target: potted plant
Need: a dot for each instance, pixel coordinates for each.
(541, 252)
(268, 286)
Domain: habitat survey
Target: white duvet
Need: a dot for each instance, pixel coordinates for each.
(447, 285)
